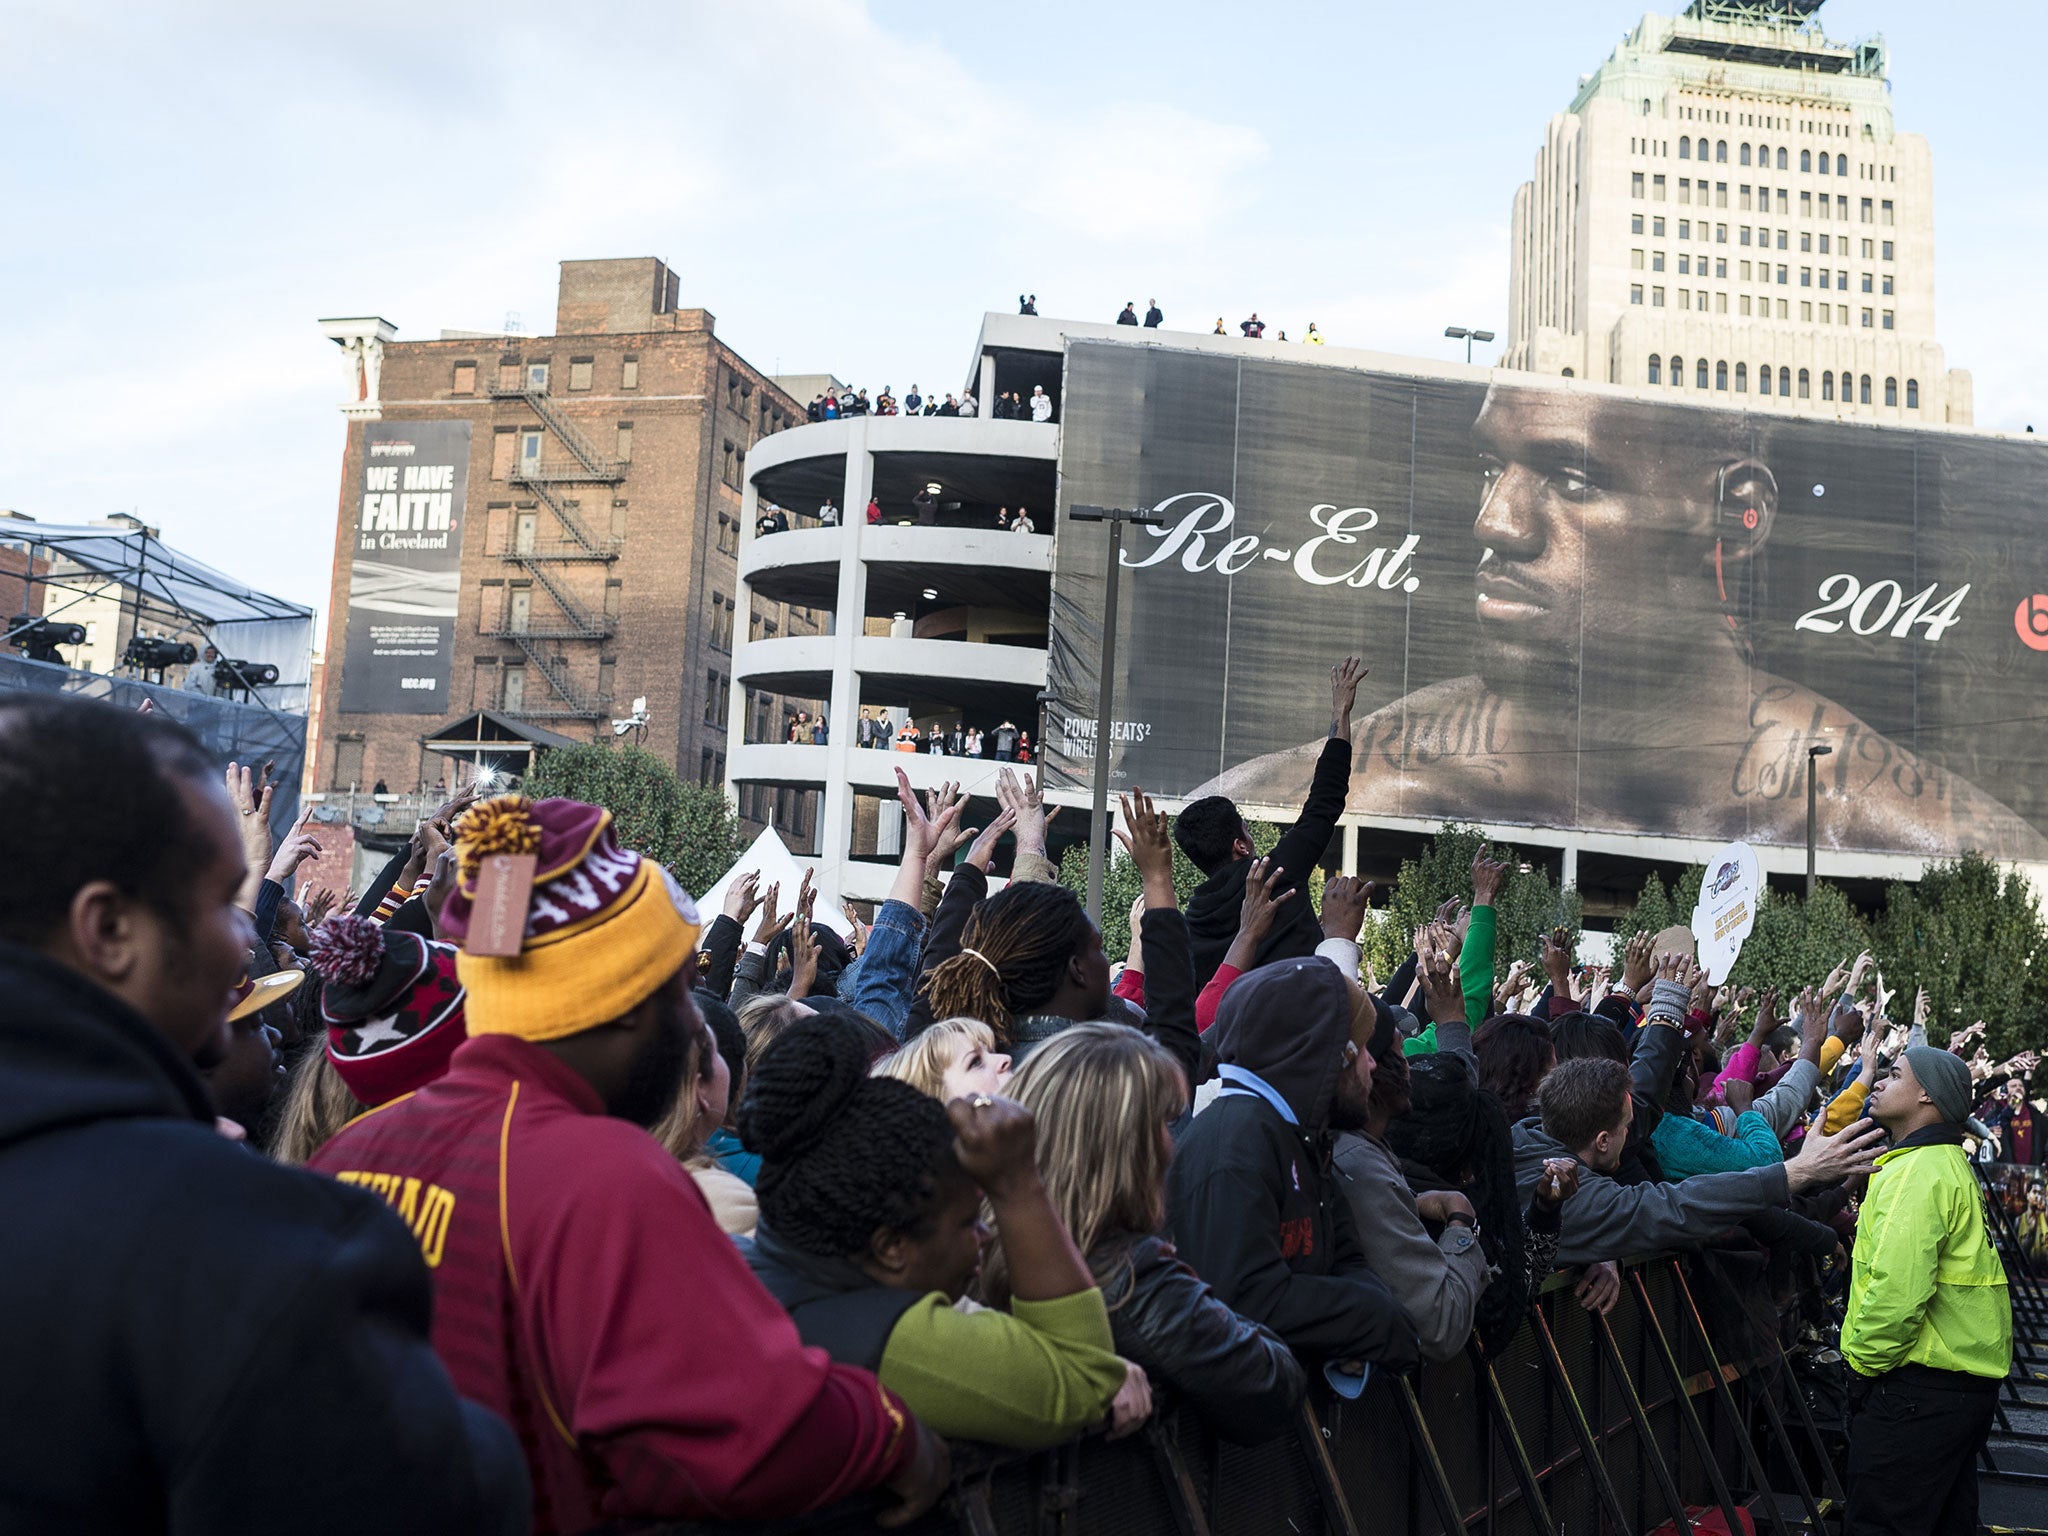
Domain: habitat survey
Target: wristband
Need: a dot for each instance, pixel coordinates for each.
(1460, 1219)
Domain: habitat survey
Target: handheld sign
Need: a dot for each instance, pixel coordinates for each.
(1727, 909)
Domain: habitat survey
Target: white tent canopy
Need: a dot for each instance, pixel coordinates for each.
(170, 587)
(770, 859)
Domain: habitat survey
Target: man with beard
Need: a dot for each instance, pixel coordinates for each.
(1252, 1201)
(1614, 686)
(583, 1289)
(200, 1340)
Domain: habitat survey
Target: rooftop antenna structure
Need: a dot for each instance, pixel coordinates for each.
(513, 324)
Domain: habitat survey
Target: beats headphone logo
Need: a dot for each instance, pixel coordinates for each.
(2031, 620)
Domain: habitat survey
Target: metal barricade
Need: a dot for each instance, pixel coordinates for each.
(1637, 1422)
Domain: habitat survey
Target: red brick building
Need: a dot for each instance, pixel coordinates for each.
(599, 527)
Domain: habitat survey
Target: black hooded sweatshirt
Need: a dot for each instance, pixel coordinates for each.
(1214, 908)
(1251, 1201)
(201, 1340)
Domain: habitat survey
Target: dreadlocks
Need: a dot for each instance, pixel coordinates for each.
(1014, 954)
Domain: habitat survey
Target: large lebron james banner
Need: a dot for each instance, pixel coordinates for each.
(1582, 608)
(405, 570)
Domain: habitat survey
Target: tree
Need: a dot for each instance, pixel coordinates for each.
(1970, 935)
(688, 828)
(1793, 944)
(1529, 904)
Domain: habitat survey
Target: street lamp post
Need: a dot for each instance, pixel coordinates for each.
(1459, 333)
(1105, 690)
(1813, 755)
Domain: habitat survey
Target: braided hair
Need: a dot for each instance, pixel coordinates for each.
(1458, 1132)
(843, 1154)
(1022, 940)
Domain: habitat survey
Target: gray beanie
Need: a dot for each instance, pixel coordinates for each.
(1944, 1079)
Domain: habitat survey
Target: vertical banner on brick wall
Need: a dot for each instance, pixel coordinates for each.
(405, 571)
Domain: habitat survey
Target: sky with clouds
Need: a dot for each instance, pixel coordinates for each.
(845, 186)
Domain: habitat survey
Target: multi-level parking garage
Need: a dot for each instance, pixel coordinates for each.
(937, 615)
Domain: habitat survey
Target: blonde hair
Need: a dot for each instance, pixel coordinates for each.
(762, 1018)
(678, 1130)
(1102, 1095)
(317, 1104)
(922, 1062)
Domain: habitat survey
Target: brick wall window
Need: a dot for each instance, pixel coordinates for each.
(625, 451)
(629, 373)
(465, 378)
(579, 372)
(348, 762)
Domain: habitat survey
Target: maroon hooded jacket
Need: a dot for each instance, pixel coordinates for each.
(585, 1294)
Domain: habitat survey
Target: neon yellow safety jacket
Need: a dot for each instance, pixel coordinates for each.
(1926, 1287)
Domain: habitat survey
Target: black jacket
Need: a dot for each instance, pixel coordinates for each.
(1153, 317)
(1169, 1320)
(834, 1305)
(1251, 1201)
(197, 1340)
(1214, 907)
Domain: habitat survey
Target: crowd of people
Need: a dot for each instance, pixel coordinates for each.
(515, 1194)
(1009, 405)
(1252, 328)
(1006, 742)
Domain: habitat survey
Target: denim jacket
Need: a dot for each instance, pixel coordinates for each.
(882, 982)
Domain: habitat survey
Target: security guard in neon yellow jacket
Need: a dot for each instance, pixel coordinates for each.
(1928, 1333)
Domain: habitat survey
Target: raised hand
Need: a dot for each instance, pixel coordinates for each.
(996, 1142)
(1488, 875)
(770, 925)
(1555, 949)
(1636, 958)
(1344, 680)
(1517, 982)
(1812, 1014)
(299, 846)
(1150, 845)
(983, 851)
(1598, 985)
(743, 897)
(859, 940)
(947, 842)
(1766, 1014)
(1443, 998)
(921, 829)
(1021, 794)
(1345, 899)
(1448, 912)
(1920, 1007)
(1263, 899)
(803, 951)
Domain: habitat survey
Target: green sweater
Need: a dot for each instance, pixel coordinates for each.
(1027, 1378)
